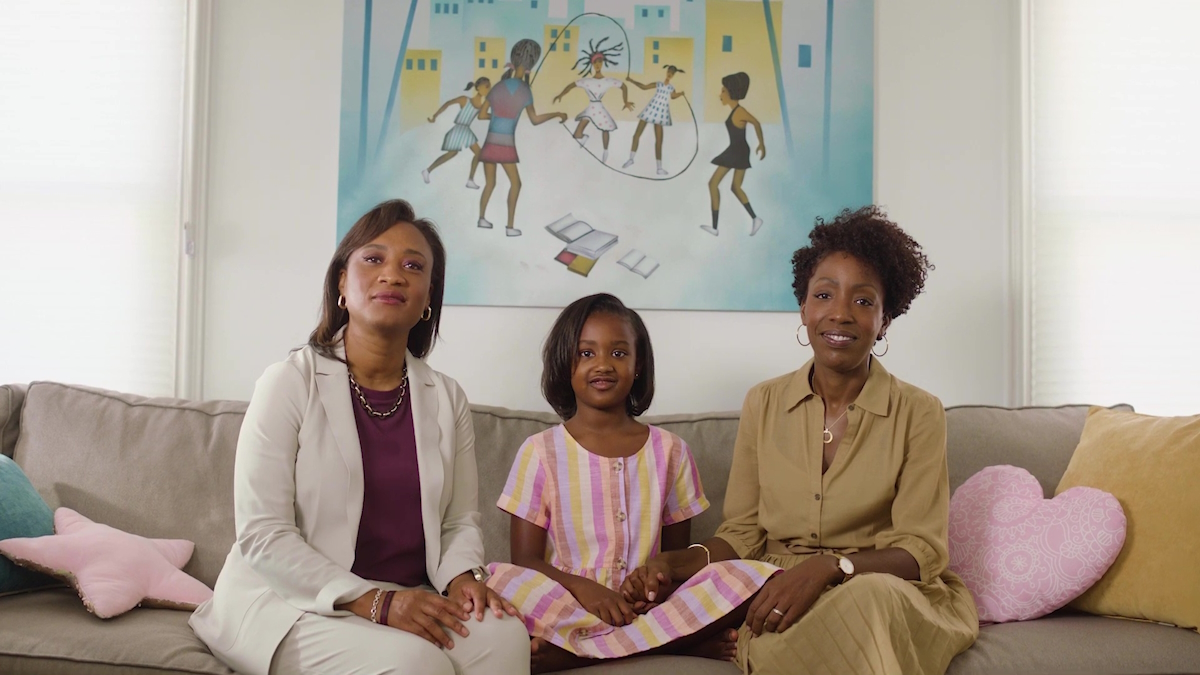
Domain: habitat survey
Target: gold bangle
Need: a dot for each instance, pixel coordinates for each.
(707, 553)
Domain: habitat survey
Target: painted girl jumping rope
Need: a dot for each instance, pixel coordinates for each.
(506, 100)
(594, 58)
(460, 135)
(656, 112)
(737, 155)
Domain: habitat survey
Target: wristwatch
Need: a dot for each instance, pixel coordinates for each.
(846, 566)
(481, 574)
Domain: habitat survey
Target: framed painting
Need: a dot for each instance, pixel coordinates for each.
(672, 152)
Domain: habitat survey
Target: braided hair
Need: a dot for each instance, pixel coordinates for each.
(596, 50)
(525, 53)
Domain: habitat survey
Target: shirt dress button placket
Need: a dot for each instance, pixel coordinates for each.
(622, 517)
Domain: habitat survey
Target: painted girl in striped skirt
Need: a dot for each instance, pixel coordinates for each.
(460, 135)
(594, 498)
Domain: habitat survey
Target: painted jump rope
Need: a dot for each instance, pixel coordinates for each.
(501, 105)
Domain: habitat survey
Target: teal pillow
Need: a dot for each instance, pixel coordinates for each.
(23, 513)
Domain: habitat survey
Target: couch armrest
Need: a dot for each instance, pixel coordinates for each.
(12, 398)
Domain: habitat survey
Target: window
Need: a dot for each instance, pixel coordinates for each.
(408, 64)
(92, 196)
(483, 46)
(805, 56)
(437, 8)
(553, 32)
(656, 44)
(662, 13)
(495, 63)
(656, 58)
(645, 13)
(567, 46)
(490, 2)
(420, 64)
(567, 33)
(482, 63)
(553, 46)
(456, 8)
(433, 64)
(1114, 213)
(727, 43)
(533, 4)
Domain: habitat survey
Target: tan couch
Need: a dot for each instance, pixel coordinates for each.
(164, 468)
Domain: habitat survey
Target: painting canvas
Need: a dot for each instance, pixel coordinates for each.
(672, 152)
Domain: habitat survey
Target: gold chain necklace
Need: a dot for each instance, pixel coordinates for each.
(827, 435)
(375, 413)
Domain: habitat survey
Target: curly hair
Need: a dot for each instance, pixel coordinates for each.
(867, 234)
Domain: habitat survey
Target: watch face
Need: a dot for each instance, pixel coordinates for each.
(846, 566)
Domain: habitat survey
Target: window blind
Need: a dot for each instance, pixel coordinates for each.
(1115, 203)
(91, 120)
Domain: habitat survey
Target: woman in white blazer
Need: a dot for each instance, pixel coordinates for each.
(333, 483)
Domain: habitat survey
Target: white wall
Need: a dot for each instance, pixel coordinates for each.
(944, 77)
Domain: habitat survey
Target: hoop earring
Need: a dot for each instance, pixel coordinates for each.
(802, 344)
(427, 314)
(341, 302)
(886, 347)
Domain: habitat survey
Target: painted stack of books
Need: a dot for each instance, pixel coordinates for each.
(585, 244)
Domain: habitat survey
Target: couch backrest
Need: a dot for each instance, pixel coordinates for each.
(163, 468)
(1039, 440)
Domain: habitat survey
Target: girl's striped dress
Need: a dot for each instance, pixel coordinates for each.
(460, 135)
(604, 518)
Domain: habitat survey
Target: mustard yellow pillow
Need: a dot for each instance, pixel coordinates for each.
(1152, 466)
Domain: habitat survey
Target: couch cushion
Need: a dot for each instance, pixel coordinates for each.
(1040, 440)
(1068, 643)
(50, 632)
(11, 398)
(1151, 465)
(499, 433)
(159, 468)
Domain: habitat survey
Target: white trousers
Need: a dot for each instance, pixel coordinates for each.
(352, 645)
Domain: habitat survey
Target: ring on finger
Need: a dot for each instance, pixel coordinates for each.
(776, 611)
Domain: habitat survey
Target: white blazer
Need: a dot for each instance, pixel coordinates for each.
(298, 495)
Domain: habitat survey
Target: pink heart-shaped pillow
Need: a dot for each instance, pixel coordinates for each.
(1024, 556)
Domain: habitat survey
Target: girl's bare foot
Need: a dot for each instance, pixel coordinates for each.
(721, 647)
(547, 658)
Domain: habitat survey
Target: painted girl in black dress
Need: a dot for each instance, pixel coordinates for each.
(737, 155)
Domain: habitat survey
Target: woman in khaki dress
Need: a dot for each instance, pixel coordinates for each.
(839, 477)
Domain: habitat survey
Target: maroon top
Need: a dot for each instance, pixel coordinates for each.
(391, 536)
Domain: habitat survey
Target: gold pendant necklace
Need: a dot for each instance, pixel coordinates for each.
(827, 435)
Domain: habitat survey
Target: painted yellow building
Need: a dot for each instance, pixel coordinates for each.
(491, 53)
(659, 52)
(420, 84)
(736, 40)
(560, 50)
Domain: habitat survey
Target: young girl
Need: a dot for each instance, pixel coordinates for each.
(656, 112)
(596, 497)
(503, 108)
(460, 135)
(594, 58)
(737, 156)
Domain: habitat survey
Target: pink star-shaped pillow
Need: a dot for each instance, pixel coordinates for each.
(113, 571)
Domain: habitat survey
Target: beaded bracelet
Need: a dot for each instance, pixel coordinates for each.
(387, 605)
(375, 605)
